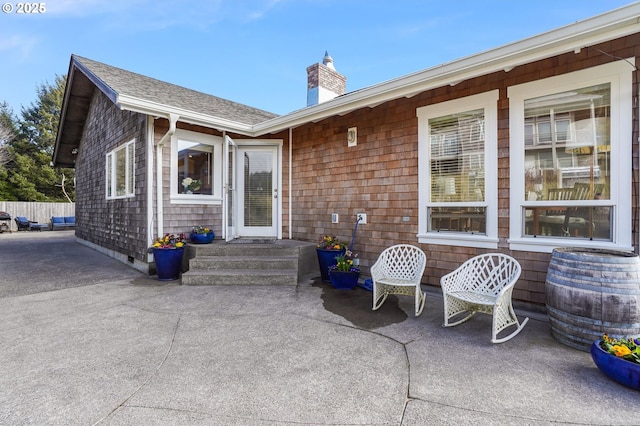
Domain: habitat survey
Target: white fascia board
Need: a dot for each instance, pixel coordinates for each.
(615, 24)
(186, 116)
(609, 26)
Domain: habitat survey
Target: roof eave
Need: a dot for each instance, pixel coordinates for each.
(192, 117)
(65, 102)
(101, 85)
(615, 24)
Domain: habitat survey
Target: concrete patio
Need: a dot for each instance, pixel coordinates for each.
(88, 340)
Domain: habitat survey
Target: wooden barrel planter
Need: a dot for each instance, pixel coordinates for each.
(590, 292)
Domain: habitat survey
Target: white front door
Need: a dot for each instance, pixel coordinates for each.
(258, 197)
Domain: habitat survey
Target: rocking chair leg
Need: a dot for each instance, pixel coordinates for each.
(379, 301)
(517, 330)
(451, 324)
(421, 297)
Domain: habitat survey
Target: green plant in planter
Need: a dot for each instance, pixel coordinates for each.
(329, 242)
(346, 262)
(170, 241)
(628, 348)
(200, 230)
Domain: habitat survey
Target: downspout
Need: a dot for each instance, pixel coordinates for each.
(289, 184)
(150, 133)
(173, 119)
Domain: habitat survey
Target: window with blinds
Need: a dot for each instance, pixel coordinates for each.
(457, 172)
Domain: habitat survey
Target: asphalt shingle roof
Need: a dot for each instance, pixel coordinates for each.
(126, 83)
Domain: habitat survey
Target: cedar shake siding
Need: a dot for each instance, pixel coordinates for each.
(379, 176)
(382, 175)
(182, 217)
(116, 224)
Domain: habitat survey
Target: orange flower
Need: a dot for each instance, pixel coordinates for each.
(620, 350)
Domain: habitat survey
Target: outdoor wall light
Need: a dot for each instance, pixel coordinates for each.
(352, 136)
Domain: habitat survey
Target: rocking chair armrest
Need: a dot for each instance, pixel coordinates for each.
(454, 280)
(506, 289)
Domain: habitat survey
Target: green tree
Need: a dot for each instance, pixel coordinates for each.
(8, 132)
(29, 173)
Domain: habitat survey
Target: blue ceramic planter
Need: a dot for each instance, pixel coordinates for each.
(201, 238)
(327, 258)
(344, 280)
(622, 371)
(168, 263)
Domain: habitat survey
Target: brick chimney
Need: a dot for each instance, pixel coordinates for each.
(324, 82)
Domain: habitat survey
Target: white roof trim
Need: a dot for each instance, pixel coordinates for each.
(571, 38)
(130, 103)
(608, 26)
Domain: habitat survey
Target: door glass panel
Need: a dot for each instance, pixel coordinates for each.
(258, 184)
(230, 192)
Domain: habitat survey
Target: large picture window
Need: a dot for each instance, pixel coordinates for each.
(457, 178)
(563, 137)
(120, 166)
(567, 158)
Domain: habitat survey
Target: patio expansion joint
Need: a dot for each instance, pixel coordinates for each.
(396, 341)
(502, 415)
(151, 376)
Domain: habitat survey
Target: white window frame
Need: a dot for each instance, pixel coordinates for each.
(489, 102)
(216, 142)
(619, 75)
(111, 172)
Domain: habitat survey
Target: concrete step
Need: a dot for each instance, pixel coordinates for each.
(244, 262)
(240, 277)
(281, 263)
(222, 249)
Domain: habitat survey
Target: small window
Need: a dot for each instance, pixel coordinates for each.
(196, 168)
(120, 166)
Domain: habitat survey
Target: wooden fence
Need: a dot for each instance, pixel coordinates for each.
(39, 212)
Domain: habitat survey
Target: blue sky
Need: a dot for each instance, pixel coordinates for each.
(256, 52)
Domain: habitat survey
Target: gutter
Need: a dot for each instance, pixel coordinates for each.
(571, 38)
(173, 119)
(147, 107)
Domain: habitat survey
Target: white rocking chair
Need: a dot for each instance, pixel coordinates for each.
(399, 270)
(483, 284)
